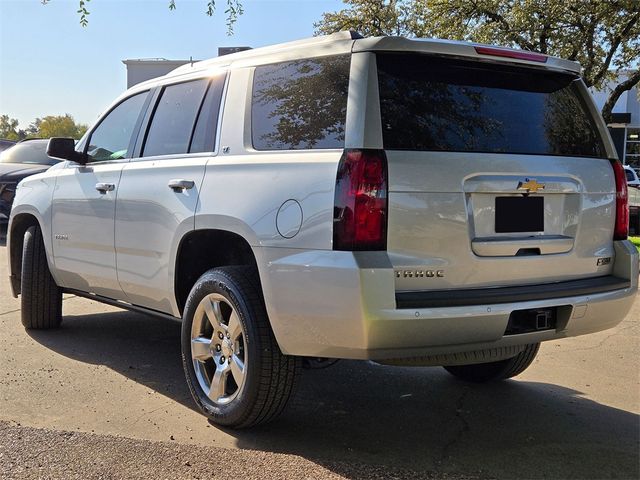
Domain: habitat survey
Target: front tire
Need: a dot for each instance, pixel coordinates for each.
(41, 298)
(235, 370)
(501, 370)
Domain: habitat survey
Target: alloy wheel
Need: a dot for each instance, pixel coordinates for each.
(218, 349)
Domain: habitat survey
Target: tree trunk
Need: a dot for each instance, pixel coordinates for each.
(615, 94)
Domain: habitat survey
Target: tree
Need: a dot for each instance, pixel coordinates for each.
(9, 128)
(33, 128)
(233, 11)
(56, 126)
(46, 127)
(604, 36)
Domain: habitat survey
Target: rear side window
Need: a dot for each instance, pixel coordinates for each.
(300, 104)
(430, 103)
(174, 118)
(204, 135)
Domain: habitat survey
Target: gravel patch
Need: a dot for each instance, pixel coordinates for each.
(34, 453)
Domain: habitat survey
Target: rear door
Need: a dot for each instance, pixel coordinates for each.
(83, 207)
(159, 188)
(497, 174)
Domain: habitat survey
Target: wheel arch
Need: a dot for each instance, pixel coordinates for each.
(15, 242)
(203, 249)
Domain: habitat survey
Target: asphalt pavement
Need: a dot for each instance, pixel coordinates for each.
(104, 397)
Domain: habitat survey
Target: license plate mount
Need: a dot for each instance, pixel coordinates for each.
(519, 214)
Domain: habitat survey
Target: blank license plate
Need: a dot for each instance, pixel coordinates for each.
(519, 214)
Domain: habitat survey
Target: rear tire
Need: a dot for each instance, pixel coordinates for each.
(235, 370)
(41, 298)
(493, 371)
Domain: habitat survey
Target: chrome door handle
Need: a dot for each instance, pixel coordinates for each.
(105, 187)
(177, 184)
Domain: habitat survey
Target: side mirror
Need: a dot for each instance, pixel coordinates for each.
(65, 148)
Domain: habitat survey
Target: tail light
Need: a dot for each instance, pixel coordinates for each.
(621, 230)
(360, 208)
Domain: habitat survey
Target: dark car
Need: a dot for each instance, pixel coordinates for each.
(5, 144)
(21, 160)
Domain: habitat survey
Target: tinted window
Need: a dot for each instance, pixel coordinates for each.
(300, 104)
(428, 103)
(630, 176)
(174, 118)
(110, 139)
(4, 144)
(204, 135)
(30, 151)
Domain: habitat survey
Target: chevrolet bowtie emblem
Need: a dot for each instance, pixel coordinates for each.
(531, 186)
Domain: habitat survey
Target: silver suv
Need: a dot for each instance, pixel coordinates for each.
(412, 202)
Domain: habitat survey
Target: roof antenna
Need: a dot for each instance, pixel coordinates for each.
(191, 60)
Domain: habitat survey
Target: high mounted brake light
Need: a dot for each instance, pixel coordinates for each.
(360, 208)
(621, 230)
(520, 55)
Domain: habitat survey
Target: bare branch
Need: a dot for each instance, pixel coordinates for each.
(617, 40)
(615, 94)
(506, 28)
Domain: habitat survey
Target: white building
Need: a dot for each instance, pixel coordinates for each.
(141, 69)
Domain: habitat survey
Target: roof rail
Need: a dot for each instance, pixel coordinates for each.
(334, 37)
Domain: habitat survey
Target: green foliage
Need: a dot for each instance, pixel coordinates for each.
(604, 36)
(46, 127)
(83, 12)
(371, 18)
(58, 126)
(9, 128)
(636, 242)
(233, 11)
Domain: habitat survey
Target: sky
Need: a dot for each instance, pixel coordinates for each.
(50, 65)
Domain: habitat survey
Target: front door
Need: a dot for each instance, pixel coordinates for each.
(83, 215)
(84, 200)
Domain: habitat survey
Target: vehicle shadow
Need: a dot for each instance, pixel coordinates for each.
(355, 417)
(144, 349)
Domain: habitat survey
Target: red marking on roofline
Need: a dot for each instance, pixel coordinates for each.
(520, 55)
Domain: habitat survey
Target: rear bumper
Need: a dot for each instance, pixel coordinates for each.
(524, 293)
(344, 305)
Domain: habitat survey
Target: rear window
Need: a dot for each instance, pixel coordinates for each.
(300, 104)
(430, 103)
